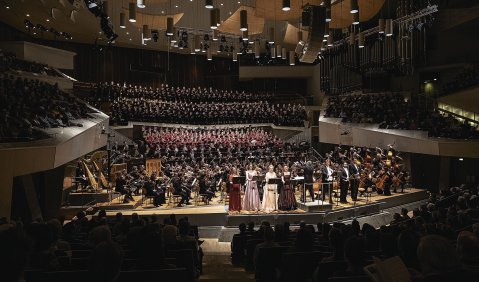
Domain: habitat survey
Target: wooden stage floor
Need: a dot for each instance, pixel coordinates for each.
(216, 214)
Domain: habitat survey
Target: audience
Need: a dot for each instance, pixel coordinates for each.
(467, 78)
(31, 105)
(392, 111)
(424, 242)
(9, 61)
(98, 248)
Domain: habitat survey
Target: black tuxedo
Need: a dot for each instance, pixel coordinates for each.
(354, 172)
(327, 184)
(344, 183)
(308, 182)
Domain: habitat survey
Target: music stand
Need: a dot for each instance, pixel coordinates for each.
(277, 182)
(258, 178)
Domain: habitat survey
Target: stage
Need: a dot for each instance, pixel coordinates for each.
(216, 214)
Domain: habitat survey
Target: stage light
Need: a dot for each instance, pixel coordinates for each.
(361, 40)
(292, 59)
(174, 36)
(213, 19)
(381, 26)
(286, 5)
(245, 35)
(141, 4)
(273, 52)
(389, 27)
(278, 51)
(209, 4)
(271, 35)
(122, 20)
(217, 16)
(169, 26)
(209, 56)
(146, 32)
(283, 53)
(235, 56)
(356, 19)
(244, 20)
(328, 15)
(132, 12)
(354, 7)
(257, 49)
(198, 43)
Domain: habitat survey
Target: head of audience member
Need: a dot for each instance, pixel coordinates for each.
(336, 241)
(304, 240)
(250, 226)
(242, 228)
(184, 228)
(356, 227)
(99, 234)
(407, 243)
(14, 248)
(355, 254)
(436, 256)
(105, 262)
(468, 249)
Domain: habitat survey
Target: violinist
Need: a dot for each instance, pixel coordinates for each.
(178, 190)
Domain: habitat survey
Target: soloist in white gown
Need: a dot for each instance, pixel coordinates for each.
(270, 194)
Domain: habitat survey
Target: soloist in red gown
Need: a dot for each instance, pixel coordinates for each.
(235, 195)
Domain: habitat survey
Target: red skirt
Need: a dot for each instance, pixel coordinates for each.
(235, 197)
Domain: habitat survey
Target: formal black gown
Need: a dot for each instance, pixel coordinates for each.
(286, 200)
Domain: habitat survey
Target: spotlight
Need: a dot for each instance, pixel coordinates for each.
(354, 7)
(209, 4)
(286, 5)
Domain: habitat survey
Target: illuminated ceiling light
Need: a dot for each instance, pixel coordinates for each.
(146, 32)
(132, 12)
(209, 4)
(217, 16)
(328, 15)
(361, 40)
(257, 49)
(243, 20)
(330, 39)
(381, 26)
(197, 43)
(209, 56)
(356, 19)
(28, 15)
(174, 37)
(47, 20)
(273, 53)
(326, 30)
(292, 59)
(215, 35)
(389, 27)
(122, 20)
(169, 26)
(141, 4)
(213, 19)
(354, 7)
(352, 38)
(278, 51)
(245, 35)
(271, 35)
(283, 53)
(286, 5)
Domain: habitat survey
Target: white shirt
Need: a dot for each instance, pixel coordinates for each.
(330, 172)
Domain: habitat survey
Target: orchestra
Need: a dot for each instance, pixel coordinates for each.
(260, 175)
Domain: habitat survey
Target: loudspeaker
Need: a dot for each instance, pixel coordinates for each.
(308, 53)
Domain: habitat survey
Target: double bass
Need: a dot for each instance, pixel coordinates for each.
(381, 183)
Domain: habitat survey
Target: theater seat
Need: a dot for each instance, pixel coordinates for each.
(165, 275)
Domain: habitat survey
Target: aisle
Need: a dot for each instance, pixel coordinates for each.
(217, 263)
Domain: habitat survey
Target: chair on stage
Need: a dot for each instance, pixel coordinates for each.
(145, 198)
(172, 197)
(201, 197)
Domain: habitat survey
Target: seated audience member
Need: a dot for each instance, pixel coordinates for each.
(105, 262)
(336, 242)
(303, 242)
(268, 236)
(14, 248)
(468, 251)
(439, 261)
(355, 256)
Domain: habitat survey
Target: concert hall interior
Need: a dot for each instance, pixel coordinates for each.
(226, 140)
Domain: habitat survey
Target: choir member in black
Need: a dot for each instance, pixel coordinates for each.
(354, 171)
(206, 188)
(308, 181)
(327, 180)
(120, 187)
(344, 183)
